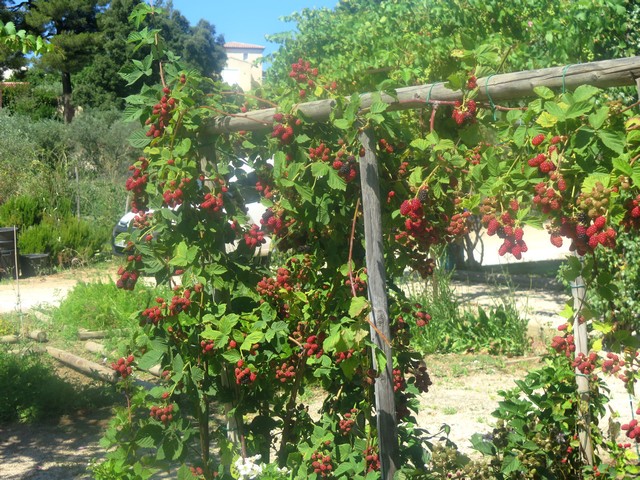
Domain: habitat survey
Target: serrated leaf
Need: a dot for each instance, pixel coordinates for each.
(342, 124)
(597, 118)
(415, 178)
(151, 358)
(231, 356)
(622, 165)
(578, 109)
(251, 339)
(555, 110)
(357, 306)
(421, 144)
(184, 473)
(335, 181)
(378, 107)
(319, 169)
(612, 140)
(305, 192)
(544, 92)
(139, 139)
(585, 92)
(546, 120)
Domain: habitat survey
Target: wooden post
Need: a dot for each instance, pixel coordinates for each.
(582, 381)
(385, 400)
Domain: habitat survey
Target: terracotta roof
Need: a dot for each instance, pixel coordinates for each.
(243, 45)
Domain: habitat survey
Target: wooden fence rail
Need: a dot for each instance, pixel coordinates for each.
(508, 86)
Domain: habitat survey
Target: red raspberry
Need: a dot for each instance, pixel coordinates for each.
(556, 240)
(537, 140)
(600, 222)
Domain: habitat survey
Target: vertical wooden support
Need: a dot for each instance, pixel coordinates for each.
(582, 381)
(385, 401)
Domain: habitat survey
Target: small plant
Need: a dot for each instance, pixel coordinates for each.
(39, 238)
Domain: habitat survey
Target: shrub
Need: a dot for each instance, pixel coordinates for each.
(39, 238)
(79, 239)
(22, 211)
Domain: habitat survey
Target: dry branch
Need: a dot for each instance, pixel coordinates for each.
(38, 336)
(9, 339)
(88, 334)
(508, 86)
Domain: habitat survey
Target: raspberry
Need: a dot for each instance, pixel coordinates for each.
(519, 233)
(556, 240)
(423, 195)
(600, 222)
(537, 140)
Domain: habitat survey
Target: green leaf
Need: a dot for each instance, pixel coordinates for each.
(485, 448)
(585, 92)
(578, 109)
(231, 356)
(544, 92)
(420, 144)
(622, 165)
(251, 339)
(357, 306)
(319, 169)
(546, 120)
(336, 182)
(139, 139)
(597, 118)
(342, 123)
(151, 358)
(612, 140)
(378, 107)
(555, 110)
(185, 473)
(305, 192)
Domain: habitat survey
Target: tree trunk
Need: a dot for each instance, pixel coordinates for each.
(67, 106)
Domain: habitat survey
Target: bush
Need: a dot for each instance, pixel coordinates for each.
(22, 211)
(39, 238)
(79, 239)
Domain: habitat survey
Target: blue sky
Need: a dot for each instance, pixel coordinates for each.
(247, 21)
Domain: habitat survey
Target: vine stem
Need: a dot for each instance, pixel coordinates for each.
(351, 239)
(432, 120)
(291, 405)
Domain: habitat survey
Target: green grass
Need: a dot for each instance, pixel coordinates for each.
(496, 330)
(100, 306)
(32, 391)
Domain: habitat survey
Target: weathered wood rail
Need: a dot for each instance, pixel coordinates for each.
(508, 86)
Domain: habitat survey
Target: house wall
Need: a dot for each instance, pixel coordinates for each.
(240, 69)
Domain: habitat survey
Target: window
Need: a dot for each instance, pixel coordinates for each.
(245, 56)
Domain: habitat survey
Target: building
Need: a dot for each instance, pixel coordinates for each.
(241, 68)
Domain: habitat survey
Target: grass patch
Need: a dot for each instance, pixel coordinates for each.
(32, 391)
(100, 306)
(495, 330)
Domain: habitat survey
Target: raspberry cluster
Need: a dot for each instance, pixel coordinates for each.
(632, 428)
(504, 228)
(422, 318)
(418, 231)
(347, 167)
(285, 372)
(152, 315)
(122, 366)
(321, 464)
(312, 346)
(207, 346)
(180, 303)
(197, 472)
(459, 225)
(162, 414)
(385, 146)
(464, 112)
(587, 238)
(342, 356)
(321, 152)
(265, 190)
(399, 383)
(163, 110)
(346, 424)
(546, 198)
(423, 380)
(304, 75)
(612, 364)
(283, 129)
(631, 220)
(137, 184)
(142, 220)
(359, 283)
(244, 375)
(174, 193)
(564, 345)
(586, 364)
(472, 82)
(254, 237)
(272, 221)
(372, 458)
(212, 203)
(128, 278)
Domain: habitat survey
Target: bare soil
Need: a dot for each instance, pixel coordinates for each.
(463, 395)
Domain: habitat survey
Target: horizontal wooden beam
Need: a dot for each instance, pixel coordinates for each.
(508, 86)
